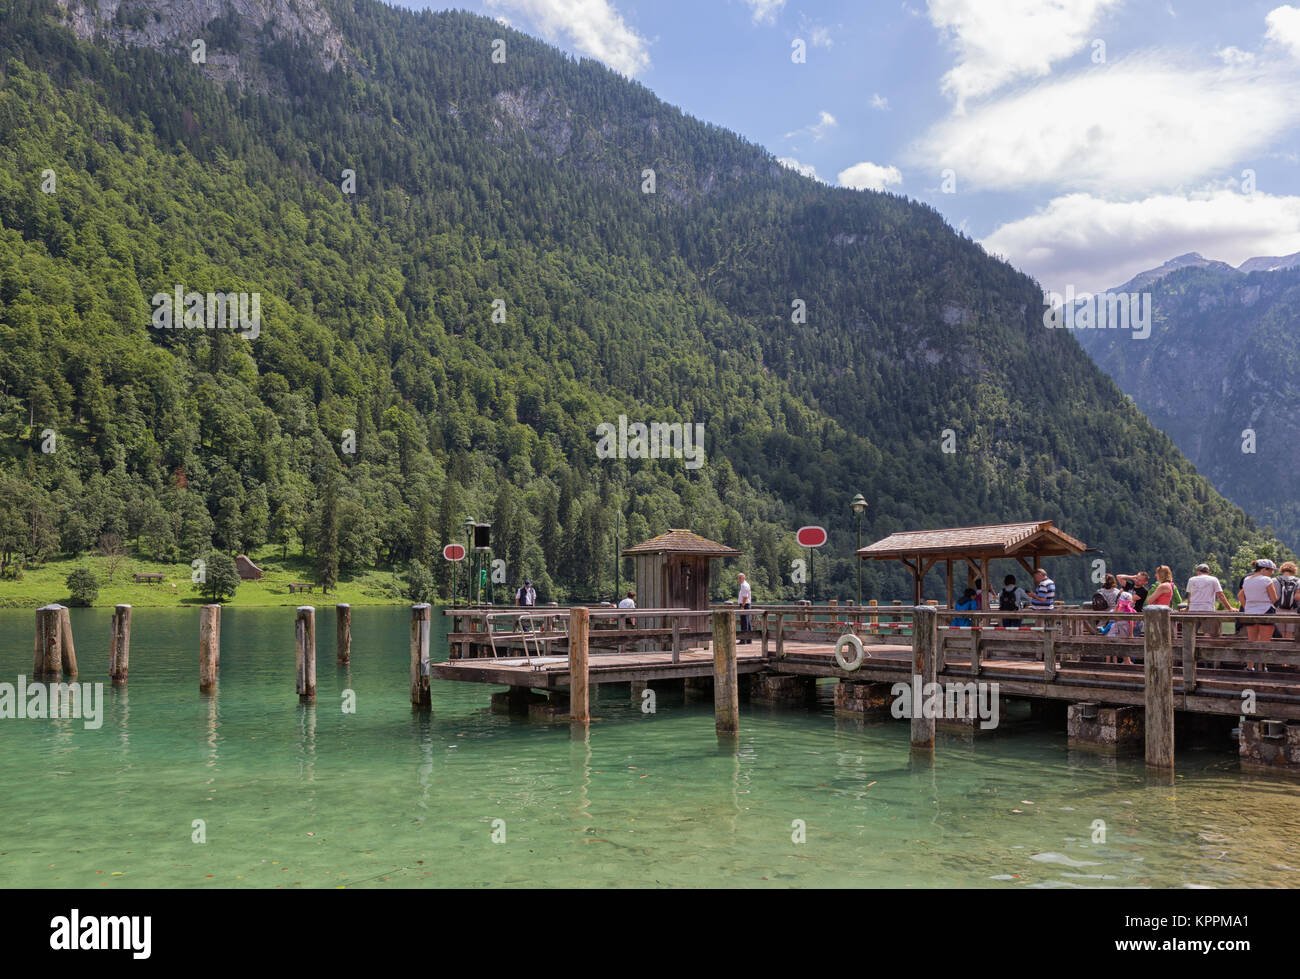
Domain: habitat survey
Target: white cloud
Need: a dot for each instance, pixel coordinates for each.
(1134, 126)
(1284, 28)
(1001, 42)
(593, 27)
(824, 124)
(790, 163)
(869, 176)
(1095, 244)
(765, 11)
(1232, 55)
(878, 101)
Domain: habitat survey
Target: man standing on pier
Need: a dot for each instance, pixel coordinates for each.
(526, 595)
(743, 600)
(1044, 596)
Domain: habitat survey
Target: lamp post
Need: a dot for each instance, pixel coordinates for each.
(618, 579)
(469, 525)
(859, 506)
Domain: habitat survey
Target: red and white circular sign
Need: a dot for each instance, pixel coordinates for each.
(811, 536)
(454, 552)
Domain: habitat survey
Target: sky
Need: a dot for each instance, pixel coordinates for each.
(1081, 140)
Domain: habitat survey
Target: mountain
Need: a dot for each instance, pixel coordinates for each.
(1190, 260)
(1220, 374)
(464, 265)
(1270, 264)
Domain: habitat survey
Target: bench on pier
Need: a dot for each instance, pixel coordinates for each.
(148, 577)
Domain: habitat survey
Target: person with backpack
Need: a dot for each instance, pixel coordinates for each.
(1104, 599)
(526, 595)
(1288, 588)
(1011, 599)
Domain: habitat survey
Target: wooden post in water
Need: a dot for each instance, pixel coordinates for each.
(69, 648)
(49, 643)
(119, 645)
(726, 690)
(304, 630)
(1158, 653)
(579, 679)
(421, 696)
(343, 627)
(209, 646)
(924, 640)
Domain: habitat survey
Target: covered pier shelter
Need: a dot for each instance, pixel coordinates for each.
(920, 550)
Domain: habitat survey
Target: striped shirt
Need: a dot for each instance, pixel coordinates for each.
(1044, 594)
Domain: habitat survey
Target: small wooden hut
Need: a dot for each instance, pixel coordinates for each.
(248, 571)
(672, 570)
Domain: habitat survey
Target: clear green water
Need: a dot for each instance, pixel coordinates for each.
(314, 797)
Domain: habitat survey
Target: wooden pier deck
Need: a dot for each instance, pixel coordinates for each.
(1182, 664)
(552, 672)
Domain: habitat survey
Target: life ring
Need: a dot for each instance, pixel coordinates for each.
(851, 640)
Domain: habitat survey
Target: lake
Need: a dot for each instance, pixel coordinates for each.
(293, 796)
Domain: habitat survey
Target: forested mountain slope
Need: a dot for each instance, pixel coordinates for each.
(519, 184)
(1220, 373)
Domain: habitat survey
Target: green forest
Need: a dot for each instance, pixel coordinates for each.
(445, 339)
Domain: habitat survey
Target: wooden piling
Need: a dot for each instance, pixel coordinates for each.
(421, 696)
(924, 642)
(726, 689)
(209, 646)
(579, 679)
(68, 650)
(1158, 652)
(49, 643)
(304, 631)
(343, 631)
(1189, 658)
(119, 645)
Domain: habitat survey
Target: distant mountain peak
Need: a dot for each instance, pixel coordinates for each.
(1188, 260)
(1271, 263)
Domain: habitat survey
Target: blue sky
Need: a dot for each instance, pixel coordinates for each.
(1087, 139)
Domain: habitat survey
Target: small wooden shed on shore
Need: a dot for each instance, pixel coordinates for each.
(920, 550)
(672, 570)
(248, 571)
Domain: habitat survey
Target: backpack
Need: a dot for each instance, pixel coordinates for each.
(1287, 600)
(1007, 600)
(1099, 603)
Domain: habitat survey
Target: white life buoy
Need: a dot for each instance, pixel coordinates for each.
(849, 639)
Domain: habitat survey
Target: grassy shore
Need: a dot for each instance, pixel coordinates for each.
(45, 584)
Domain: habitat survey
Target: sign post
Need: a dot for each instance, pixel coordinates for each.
(454, 553)
(810, 537)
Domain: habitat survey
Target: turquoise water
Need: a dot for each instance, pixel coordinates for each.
(295, 796)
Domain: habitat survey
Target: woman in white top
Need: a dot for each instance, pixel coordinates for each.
(1258, 596)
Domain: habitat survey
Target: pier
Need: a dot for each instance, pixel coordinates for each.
(1180, 665)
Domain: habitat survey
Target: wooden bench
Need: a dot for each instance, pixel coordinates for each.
(148, 577)
(300, 586)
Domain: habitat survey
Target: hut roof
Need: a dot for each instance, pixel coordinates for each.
(682, 542)
(988, 541)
